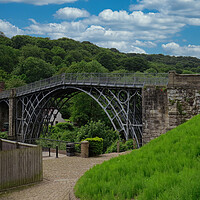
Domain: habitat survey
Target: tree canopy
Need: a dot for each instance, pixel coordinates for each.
(25, 59)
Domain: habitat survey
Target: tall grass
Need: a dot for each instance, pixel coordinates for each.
(167, 168)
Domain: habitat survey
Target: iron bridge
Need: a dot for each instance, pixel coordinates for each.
(119, 95)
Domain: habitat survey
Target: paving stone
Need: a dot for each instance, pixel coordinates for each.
(59, 178)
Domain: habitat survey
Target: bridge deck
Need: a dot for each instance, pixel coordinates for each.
(128, 80)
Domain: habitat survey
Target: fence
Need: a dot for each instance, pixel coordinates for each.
(58, 146)
(20, 164)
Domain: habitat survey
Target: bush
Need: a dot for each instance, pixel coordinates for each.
(65, 126)
(78, 148)
(123, 146)
(3, 135)
(97, 129)
(96, 146)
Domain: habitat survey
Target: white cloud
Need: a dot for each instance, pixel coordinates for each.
(184, 8)
(133, 30)
(148, 44)
(175, 49)
(145, 25)
(39, 2)
(122, 46)
(71, 13)
(10, 30)
(126, 31)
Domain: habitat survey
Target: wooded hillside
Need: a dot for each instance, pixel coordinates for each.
(24, 59)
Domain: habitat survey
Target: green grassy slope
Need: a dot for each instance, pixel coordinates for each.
(167, 168)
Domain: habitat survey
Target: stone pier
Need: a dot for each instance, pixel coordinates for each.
(164, 108)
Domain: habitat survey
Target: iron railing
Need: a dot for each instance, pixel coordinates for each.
(101, 79)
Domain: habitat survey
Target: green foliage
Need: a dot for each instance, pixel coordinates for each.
(8, 58)
(15, 81)
(3, 75)
(67, 55)
(35, 69)
(95, 146)
(86, 67)
(97, 129)
(166, 168)
(84, 109)
(65, 126)
(61, 131)
(134, 64)
(68, 132)
(3, 135)
(32, 51)
(123, 146)
(108, 60)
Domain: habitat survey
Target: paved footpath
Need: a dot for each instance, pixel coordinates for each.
(59, 177)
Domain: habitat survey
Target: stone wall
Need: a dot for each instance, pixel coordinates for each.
(183, 98)
(155, 112)
(166, 108)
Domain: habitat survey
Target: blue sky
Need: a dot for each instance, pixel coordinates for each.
(144, 26)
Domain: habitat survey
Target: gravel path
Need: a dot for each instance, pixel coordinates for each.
(59, 177)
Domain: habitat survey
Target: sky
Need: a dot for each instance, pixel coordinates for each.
(170, 27)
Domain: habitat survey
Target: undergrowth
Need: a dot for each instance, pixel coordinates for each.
(167, 168)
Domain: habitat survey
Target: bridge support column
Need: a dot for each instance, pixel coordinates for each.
(12, 115)
(155, 112)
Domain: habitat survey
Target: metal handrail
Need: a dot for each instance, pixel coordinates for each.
(102, 79)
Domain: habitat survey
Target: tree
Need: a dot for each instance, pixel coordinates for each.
(58, 51)
(98, 129)
(32, 51)
(19, 41)
(84, 108)
(15, 81)
(77, 56)
(35, 69)
(86, 67)
(3, 75)
(134, 64)
(8, 58)
(108, 60)
(5, 40)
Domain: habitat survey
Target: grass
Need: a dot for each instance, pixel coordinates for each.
(167, 168)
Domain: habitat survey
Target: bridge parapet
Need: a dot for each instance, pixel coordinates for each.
(183, 80)
(137, 80)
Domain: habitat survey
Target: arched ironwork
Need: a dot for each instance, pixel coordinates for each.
(36, 112)
(119, 95)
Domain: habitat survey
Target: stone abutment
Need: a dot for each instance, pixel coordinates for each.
(164, 108)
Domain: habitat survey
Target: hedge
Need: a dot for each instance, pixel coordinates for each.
(96, 146)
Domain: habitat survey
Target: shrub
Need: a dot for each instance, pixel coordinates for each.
(3, 135)
(97, 129)
(123, 146)
(78, 148)
(96, 146)
(65, 126)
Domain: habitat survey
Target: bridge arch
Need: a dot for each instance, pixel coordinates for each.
(121, 108)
